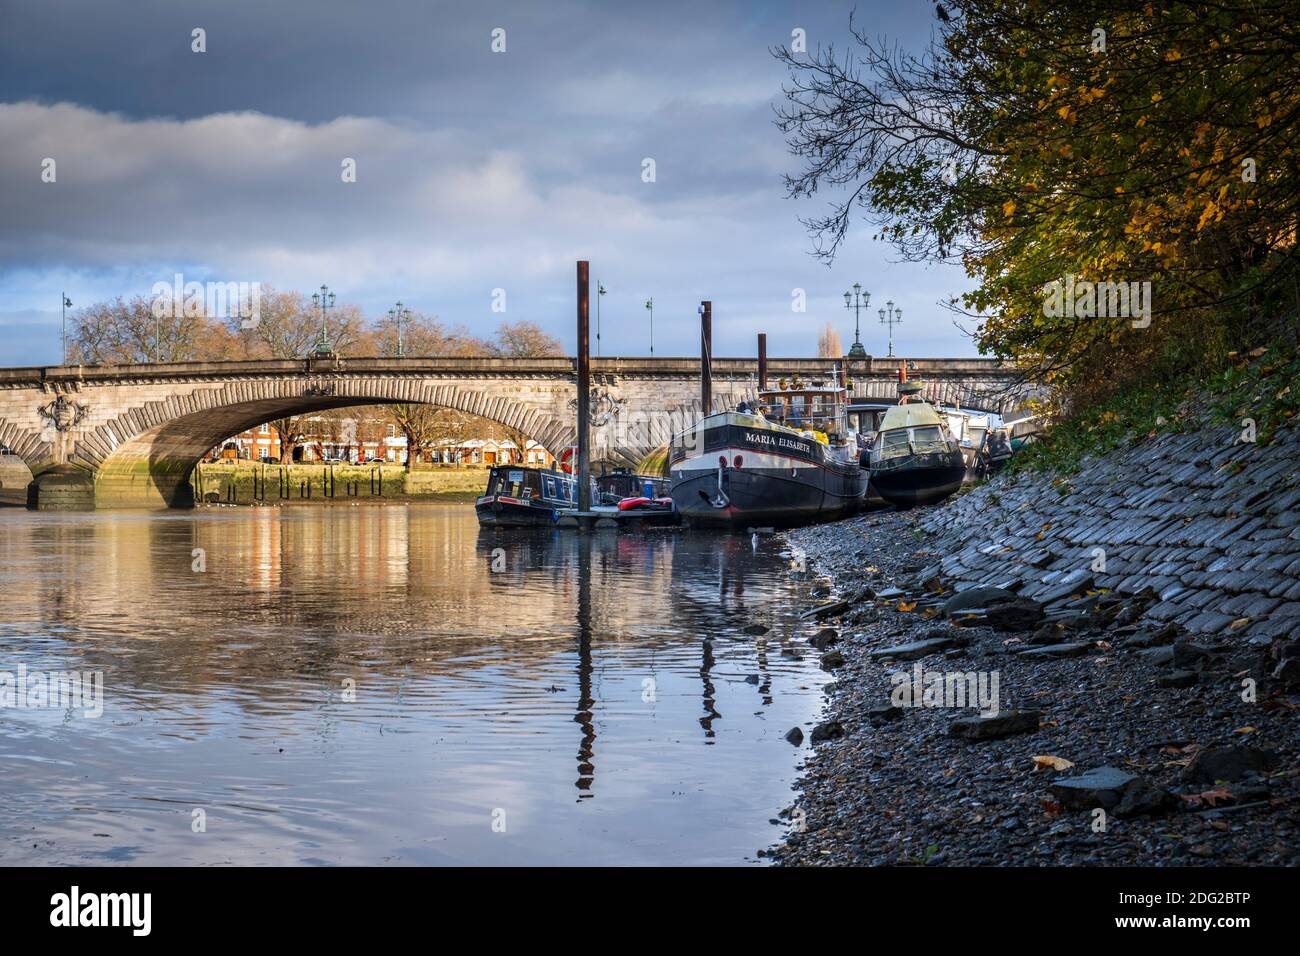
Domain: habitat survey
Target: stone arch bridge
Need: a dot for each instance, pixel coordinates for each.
(129, 435)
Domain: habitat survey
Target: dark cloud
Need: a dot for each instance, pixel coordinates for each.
(475, 170)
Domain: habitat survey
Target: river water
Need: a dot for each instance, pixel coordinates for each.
(391, 685)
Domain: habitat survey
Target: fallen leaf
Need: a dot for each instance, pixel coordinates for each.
(1044, 761)
(1210, 798)
(1245, 730)
(906, 605)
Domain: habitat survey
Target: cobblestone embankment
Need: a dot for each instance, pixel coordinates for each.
(1140, 620)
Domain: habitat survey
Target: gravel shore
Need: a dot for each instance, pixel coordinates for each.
(1117, 740)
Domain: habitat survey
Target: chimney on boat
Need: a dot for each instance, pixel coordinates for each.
(762, 360)
(706, 357)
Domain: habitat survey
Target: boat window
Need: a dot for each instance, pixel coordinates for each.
(548, 487)
(894, 440)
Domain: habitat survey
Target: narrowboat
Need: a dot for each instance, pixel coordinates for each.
(519, 497)
(788, 460)
(914, 458)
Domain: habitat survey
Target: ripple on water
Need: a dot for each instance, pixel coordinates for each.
(358, 686)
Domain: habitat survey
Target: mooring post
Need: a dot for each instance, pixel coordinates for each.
(584, 386)
(762, 360)
(706, 357)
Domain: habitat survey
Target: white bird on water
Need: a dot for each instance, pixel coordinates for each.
(754, 541)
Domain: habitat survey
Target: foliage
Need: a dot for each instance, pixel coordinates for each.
(1257, 387)
(1029, 146)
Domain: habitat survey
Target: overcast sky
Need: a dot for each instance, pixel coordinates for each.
(475, 170)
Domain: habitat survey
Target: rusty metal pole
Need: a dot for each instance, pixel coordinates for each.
(706, 357)
(584, 386)
(762, 360)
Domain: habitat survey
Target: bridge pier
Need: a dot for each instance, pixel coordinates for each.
(62, 488)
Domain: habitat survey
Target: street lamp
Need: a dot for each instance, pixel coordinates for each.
(323, 300)
(650, 307)
(600, 291)
(891, 318)
(857, 302)
(67, 304)
(399, 315)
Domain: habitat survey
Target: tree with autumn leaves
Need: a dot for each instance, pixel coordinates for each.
(1106, 141)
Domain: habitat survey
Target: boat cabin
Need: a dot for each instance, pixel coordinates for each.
(803, 408)
(911, 429)
(527, 484)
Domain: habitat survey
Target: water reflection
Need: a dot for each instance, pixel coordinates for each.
(369, 684)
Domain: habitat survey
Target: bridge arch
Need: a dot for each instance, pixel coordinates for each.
(143, 457)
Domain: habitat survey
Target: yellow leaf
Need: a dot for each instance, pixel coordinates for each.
(1044, 762)
(1008, 208)
(906, 605)
(1245, 730)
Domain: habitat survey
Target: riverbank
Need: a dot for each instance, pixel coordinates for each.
(247, 483)
(1136, 626)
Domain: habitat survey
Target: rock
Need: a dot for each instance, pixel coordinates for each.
(880, 714)
(1073, 583)
(914, 649)
(1020, 614)
(976, 599)
(1102, 787)
(1143, 798)
(1228, 763)
(1178, 679)
(1186, 653)
(795, 736)
(824, 638)
(1073, 649)
(1047, 634)
(1288, 671)
(827, 730)
(832, 659)
(993, 728)
(1157, 655)
(755, 630)
(824, 611)
(1148, 639)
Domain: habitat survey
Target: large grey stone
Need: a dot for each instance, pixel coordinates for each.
(976, 599)
(1229, 763)
(1005, 724)
(914, 649)
(1102, 787)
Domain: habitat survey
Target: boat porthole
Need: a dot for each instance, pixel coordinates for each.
(722, 460)
(739, 460)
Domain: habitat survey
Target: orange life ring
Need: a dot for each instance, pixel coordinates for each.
(564, 460)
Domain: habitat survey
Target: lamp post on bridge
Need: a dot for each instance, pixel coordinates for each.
(857, 302)
(600, 294)
(892, 318)
(67, 304)
(399, 314)
(650, 307)
(323, 300)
